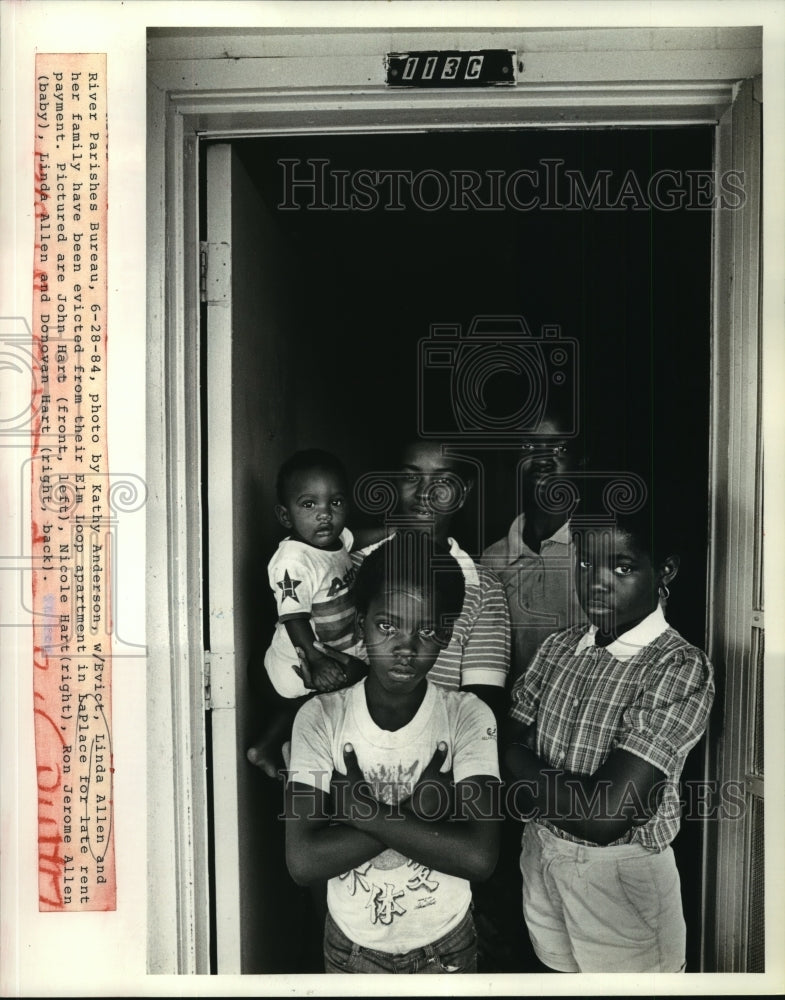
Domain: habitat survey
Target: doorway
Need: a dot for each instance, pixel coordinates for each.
(327, 309)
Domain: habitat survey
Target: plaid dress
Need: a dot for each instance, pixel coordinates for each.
(586, 703)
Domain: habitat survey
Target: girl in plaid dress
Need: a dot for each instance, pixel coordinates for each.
(598, 732)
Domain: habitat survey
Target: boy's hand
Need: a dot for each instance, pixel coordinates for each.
(351, 792)
(322, 674)
(433, 795)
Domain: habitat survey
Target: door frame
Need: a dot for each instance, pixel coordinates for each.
(284, 84)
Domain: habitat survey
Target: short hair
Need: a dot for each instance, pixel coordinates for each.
(655, 530)
(570, 426)
(411, 557)
(559, 413)
(647, 507)
(307, 460)
(464, 468)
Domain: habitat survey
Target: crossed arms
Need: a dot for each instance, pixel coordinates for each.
(624, 789)
(328, 834)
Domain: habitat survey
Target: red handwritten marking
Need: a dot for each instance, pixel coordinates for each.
(40, 714)
(51, 788)
(50, 866)
(73, 744)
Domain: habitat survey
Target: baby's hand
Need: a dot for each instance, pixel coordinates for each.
(322, 674)
(302, 669)
(353, 667)
(326, 674)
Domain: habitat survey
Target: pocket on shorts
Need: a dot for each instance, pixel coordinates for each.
(641, 888)
(338, 949)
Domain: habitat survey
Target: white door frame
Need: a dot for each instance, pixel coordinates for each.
(278, 83)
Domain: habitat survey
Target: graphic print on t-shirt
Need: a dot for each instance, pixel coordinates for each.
(339, 583)
(389, 895)
(386, 899)
(309, 583)
(289, 587)
(392, 784)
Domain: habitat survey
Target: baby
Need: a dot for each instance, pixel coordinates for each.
(311, 574)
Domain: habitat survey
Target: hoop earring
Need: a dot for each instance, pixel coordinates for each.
(662, 590)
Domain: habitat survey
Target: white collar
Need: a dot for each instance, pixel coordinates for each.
(629, 643)
(516, 547)
(465, 561)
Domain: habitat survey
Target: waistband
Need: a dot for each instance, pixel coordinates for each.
(427, 951)
(553, 844)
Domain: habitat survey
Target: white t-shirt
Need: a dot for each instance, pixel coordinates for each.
(317, 582)
(393, 903)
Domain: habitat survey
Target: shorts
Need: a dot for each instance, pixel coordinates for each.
(455, 952)
(601, 909)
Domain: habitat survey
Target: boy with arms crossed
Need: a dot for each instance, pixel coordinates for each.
(398, 892)
(477, 656)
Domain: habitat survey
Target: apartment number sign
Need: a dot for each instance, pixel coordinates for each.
(483, 68)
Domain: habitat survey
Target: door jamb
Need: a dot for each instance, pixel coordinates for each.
(179, 941)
